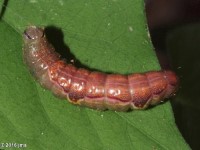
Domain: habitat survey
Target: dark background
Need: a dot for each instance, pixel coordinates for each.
(175, 31)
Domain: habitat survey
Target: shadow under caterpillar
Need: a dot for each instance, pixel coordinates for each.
(96, 90)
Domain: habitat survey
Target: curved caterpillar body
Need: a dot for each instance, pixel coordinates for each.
(93, 89)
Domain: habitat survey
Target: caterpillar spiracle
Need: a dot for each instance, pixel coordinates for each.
(96, 90)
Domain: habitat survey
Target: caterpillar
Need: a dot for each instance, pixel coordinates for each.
(95, 90)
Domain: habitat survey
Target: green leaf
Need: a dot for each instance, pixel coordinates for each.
(110, 36)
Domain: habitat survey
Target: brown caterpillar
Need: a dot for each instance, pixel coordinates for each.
(93, 89)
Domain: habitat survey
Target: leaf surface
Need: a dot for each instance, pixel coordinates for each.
(110, 36)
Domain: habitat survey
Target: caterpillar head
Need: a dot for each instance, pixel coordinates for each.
(33, 33)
